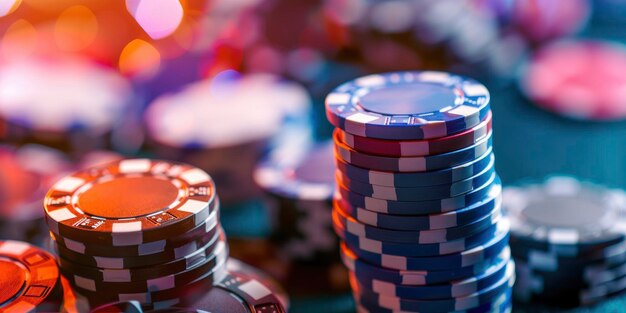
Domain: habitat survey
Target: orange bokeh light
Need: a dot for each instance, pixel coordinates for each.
(139, 59)
(76, 28)
(19, 40)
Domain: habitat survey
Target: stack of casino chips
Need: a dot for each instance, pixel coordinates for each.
(418, 201)
(244, 289)
(138, 229)
(568, 239)
(299, 179)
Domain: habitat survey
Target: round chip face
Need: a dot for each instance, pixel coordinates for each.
(566, 212)
(28, 276)
(578, 79)
(407, 105)
(129, 202)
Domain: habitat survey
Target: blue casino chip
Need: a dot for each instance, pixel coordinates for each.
(416, 207)
(441, 262)
(420, 193)
(442, 235)
(471, 301)
(418, 277)
(417, 179)
(408, 105)
(501, 304)
(450, 175)
(458, 218)
(452, 289)
(417, 250)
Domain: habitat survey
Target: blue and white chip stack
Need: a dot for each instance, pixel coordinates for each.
(418, 201)
(568, 239)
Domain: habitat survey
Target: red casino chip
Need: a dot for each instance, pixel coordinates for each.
(579, 79)
(29, 278)
(401, 148)
(130, 202)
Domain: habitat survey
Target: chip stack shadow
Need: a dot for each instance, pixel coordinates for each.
(417, 204)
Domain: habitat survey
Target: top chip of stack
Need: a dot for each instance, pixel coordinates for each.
(417, 203)
(138, 229)
(568, 238)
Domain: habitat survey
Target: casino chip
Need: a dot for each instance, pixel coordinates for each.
(29, 279)
(211, 123)
(417, 201)
(301, 185)
(578, 79)
(299, 181)
(138, 230)
(384, 106)
(244, 289)
(568, 238)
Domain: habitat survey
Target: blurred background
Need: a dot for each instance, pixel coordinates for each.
(237, 88)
